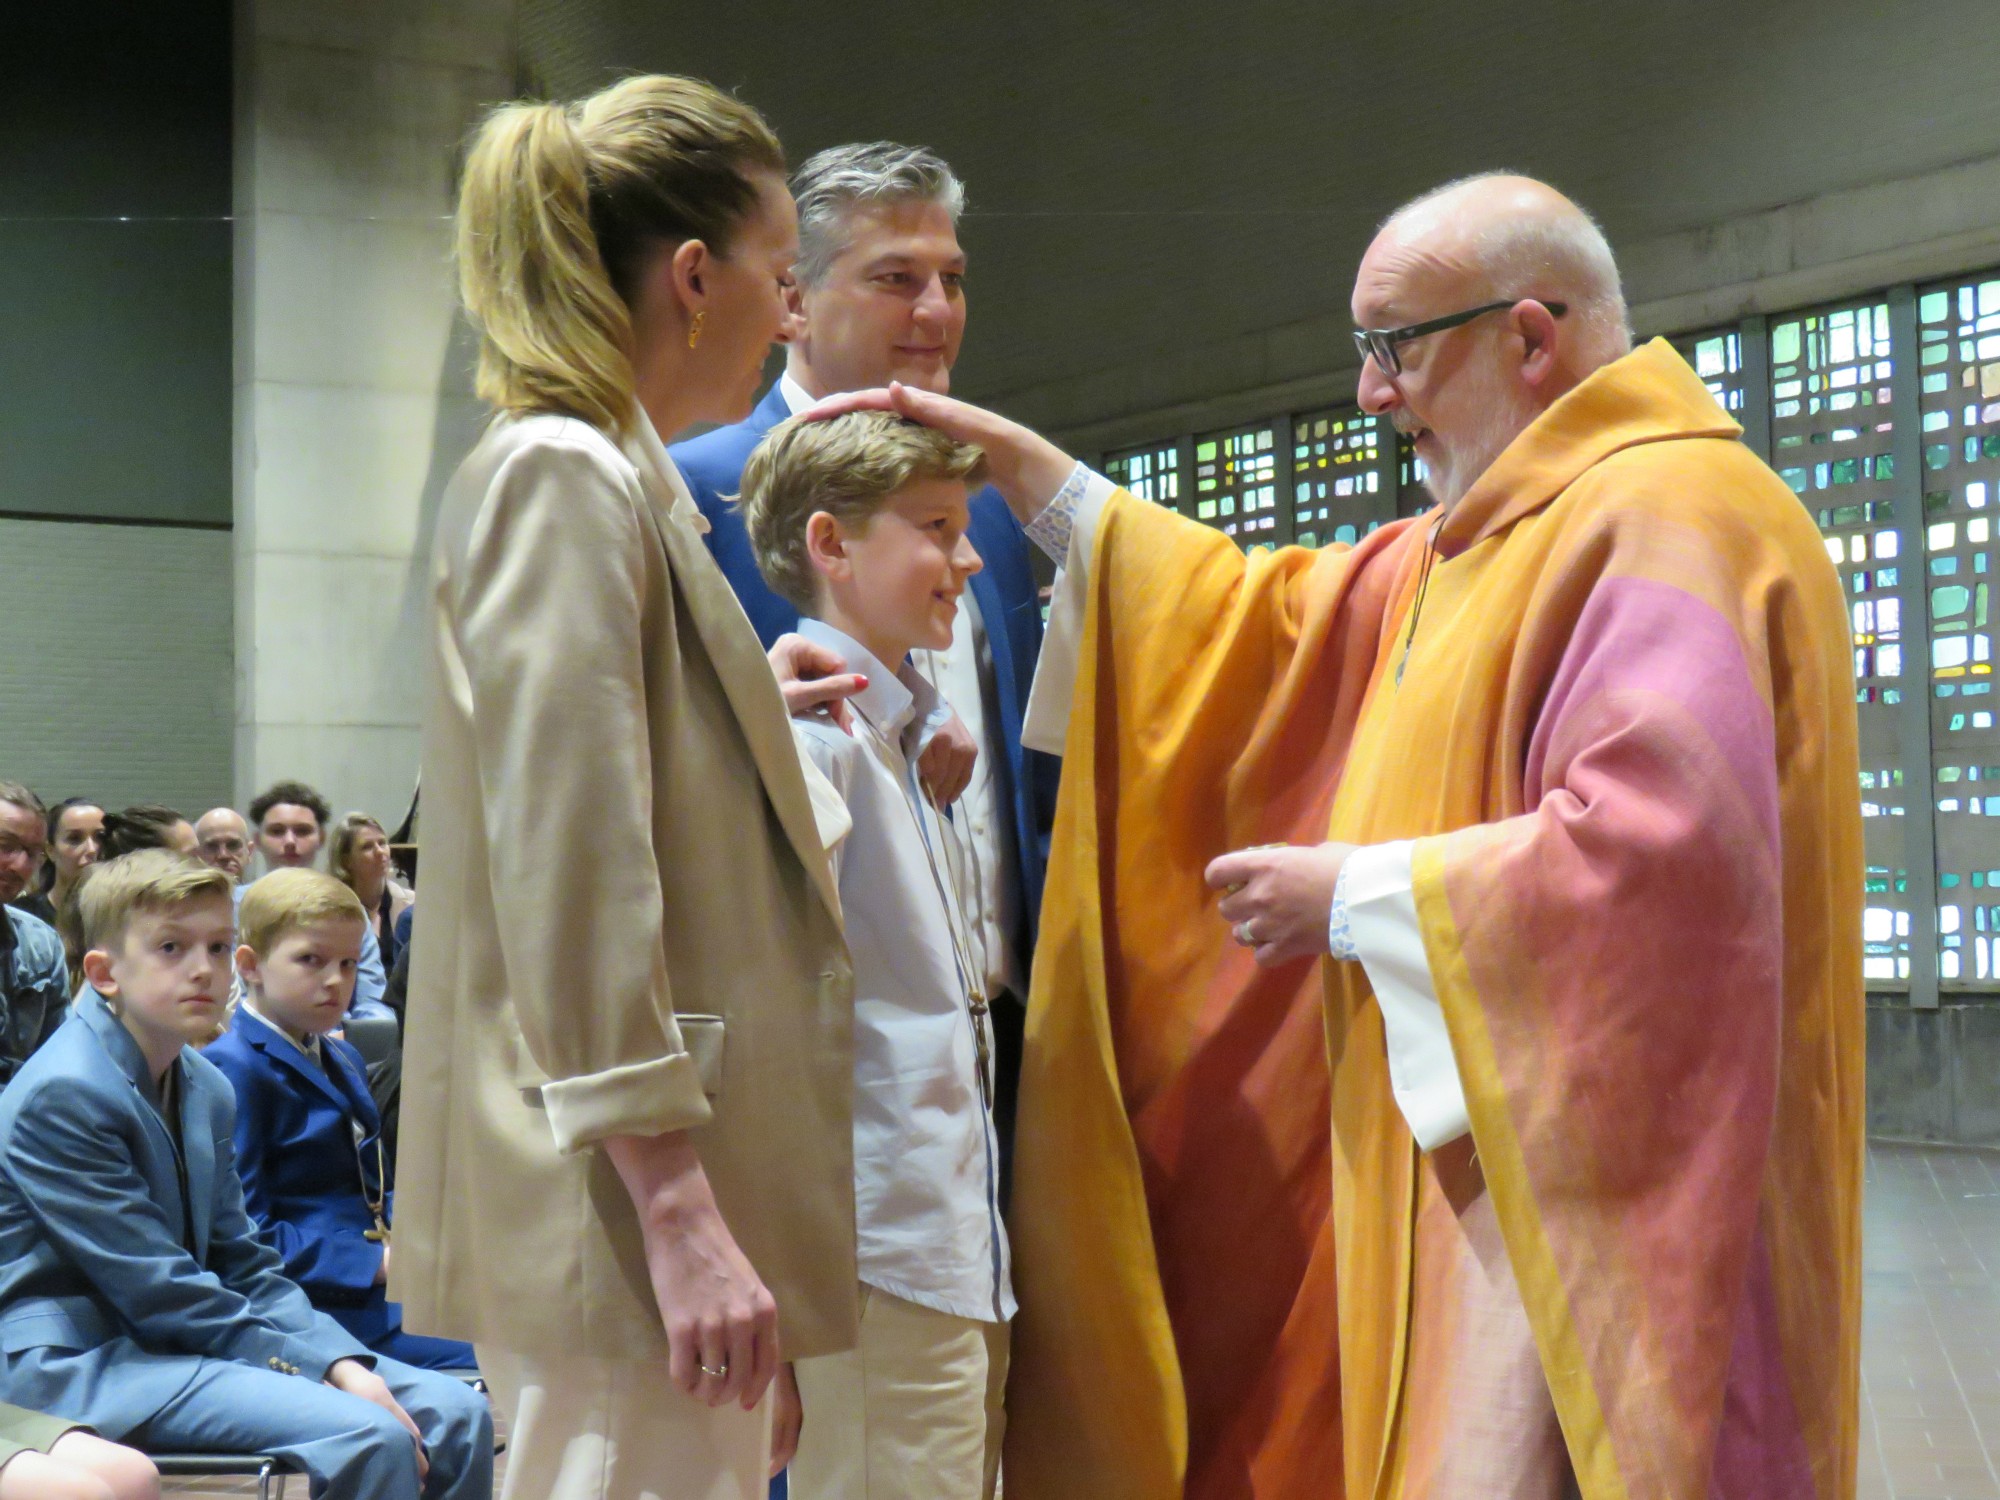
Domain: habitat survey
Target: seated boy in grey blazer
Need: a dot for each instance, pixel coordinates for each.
(135, 1296)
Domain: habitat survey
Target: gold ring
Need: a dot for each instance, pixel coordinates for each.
(711, 1370)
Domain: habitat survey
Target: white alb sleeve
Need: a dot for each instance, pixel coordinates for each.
(1045, 725)
(1381, 916)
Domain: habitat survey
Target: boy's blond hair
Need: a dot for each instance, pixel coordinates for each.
(150, 880)
(846, 466)
(286, 900)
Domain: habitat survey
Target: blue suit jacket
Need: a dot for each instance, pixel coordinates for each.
(115, 1281)
(1009, 603)
(301, 1167)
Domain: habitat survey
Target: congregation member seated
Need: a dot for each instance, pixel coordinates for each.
(289, 820)
(76, 842)
(34, 978)
(225, 840)
(358, 856)
(135, 1296)
(48, 1458)
(861, 523)
(308, 1139)
(75, 827)
(148, 826)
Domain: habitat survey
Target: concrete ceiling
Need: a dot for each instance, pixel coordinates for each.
(1146, 178)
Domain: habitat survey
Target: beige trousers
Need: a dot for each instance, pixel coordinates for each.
(608, 1429)
(912, 1413)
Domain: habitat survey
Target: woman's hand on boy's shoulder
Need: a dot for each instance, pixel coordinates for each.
(814, 680)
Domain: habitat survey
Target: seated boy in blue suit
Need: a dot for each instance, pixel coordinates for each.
(308, 1137)
(135, 1296)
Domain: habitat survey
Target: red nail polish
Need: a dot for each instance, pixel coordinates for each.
(863, 681)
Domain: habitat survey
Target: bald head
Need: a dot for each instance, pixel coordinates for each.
(1502, 236)
(1524, 296)
(224, 838)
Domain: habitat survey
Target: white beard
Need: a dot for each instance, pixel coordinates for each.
(1464, 461)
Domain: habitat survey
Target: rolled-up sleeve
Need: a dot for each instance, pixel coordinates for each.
(558, 646)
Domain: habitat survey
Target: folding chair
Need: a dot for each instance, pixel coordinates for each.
(267, 1469)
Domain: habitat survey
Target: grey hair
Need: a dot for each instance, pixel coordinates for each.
(829, 184)
(1567, 252)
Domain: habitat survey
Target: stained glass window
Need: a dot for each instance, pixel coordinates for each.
(1338, 489)
(1413, 494)
(1958, 334)
(1718, 359)
(1152, 472)
(1236, 483)
(1830, 431)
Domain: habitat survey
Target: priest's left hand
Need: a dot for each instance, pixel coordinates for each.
(1277, 900)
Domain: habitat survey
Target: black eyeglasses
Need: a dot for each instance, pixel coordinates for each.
(1379, 344)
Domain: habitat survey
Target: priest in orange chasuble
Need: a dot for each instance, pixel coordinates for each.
(1444, 1072)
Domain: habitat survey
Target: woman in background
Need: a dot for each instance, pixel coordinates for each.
(145, 825)
(76, 831)
(358, 858)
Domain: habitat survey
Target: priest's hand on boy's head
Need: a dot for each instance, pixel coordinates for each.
(1025, 467)
(1277, 899)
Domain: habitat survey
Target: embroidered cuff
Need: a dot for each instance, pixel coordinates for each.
(1339, 938)
(1051, 526)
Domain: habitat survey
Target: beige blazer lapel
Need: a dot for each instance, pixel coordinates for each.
(733, 650)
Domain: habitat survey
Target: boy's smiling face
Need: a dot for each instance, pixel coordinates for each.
(305, 981)
(894, 583)
(168, 976)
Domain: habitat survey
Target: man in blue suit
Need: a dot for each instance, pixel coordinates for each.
(878, 295)
(135, 1297)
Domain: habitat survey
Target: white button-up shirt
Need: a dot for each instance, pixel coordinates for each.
(926, 1163)
(980, 821)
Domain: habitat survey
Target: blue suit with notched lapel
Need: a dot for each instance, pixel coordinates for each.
(136, 1298)
(1009, 604)
(307, 1172)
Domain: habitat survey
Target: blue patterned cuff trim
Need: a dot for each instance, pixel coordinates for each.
(1051, 528)
(1340, 941)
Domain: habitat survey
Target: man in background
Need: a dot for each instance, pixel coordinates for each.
(34, 978)
(225, 841)
(290, 818)
(878, 295)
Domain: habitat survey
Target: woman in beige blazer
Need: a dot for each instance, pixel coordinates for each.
(625, 1168)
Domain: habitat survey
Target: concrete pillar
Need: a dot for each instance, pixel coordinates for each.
(352, 372)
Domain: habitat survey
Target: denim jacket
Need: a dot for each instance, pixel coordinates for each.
(34, 987)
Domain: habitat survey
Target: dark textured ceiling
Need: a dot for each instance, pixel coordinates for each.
(1149, 177)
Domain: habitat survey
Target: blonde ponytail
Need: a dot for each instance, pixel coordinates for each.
(560, 208)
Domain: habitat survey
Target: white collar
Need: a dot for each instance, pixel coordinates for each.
(796, 397)
(894, 702)
(310, 1046)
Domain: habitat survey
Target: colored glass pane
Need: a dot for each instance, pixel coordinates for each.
(1338, 489)
(1831, 426)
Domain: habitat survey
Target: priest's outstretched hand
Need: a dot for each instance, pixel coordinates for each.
(1025, 467)
(1278, 899)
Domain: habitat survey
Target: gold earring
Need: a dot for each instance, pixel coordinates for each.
(694, 331)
